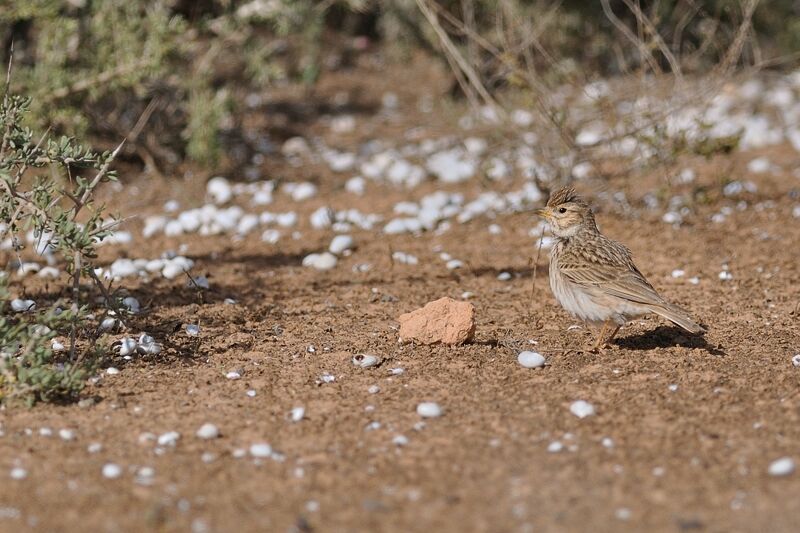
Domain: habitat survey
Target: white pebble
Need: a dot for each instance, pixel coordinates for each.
(796, 360)
(623, 513)
(297, 414)
(454, 264)
(781, 467)
(169, 438)
(94, 447)
(132, 304)
(261, 450)
(193, 330)
(607, 442)
(111, 371)
(678, 273)
(18, 473)
(373, 389)
(66, 434)
(504, 276)
(400, 440)
(725, 275)
(233, 375)
(219, 190)
(581, 409)
(208, 431)
(111, 471)
(19, 305)
(429, 410)
(323, 261)
(531, 359)
(340, 244)
(555, 447)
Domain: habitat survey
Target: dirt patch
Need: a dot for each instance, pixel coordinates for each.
(684, 431)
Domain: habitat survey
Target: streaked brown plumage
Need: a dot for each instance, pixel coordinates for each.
(593, 277)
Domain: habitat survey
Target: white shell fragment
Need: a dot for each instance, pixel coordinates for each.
(429, 410)
(581, 409)
(364, 360)
(531, 359)
(207, 431)
(781, 467)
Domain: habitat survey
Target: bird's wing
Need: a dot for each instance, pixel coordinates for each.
(614, 274)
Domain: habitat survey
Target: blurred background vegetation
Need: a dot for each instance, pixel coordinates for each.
(172, 76)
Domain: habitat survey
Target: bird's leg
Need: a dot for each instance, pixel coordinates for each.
(600, 337)
(611, 337)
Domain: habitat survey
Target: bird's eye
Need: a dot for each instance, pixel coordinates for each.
(562, 209)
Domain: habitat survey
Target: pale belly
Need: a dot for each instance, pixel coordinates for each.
(591, 305)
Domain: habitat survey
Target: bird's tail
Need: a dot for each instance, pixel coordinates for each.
(678, 316)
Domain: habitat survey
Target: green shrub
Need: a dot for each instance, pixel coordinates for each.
(44, 188)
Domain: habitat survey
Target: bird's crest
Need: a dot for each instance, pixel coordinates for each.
(564, 195)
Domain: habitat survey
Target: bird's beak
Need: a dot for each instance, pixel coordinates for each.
(544, 213)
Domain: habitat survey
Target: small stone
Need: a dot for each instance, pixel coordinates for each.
(251, 393)
(581, 409)
(796, 360)
(373, 389)
(208, 431)
(112, 371)
(531, 359)
(297, 414)
(555, 447)
(445, 321)
(18, 473)
(781, 467)
(400, 440)
(340, 244)
(233, 375)
(169, 438)
(607, 442)
(208, 457)
(111, 471)
(66, 434)
(623, 513)
(261, 450)
(94, 447)
(365, 360)
(193, 330)
(429, 410)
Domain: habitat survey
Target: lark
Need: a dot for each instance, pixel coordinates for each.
(593, 277)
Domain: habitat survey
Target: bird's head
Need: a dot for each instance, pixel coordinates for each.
(567, 213)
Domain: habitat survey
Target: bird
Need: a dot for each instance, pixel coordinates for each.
(594, 277)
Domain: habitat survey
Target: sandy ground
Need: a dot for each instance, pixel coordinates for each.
(693, 422)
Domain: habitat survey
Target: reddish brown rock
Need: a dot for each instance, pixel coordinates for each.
(446, 320)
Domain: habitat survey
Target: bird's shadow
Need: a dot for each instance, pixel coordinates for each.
(667, 337)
